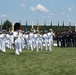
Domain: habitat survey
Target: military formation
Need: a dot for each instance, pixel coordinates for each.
(66, 38)
(30, 40)
(18, 40)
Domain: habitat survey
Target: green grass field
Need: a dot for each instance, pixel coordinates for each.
(60, 61)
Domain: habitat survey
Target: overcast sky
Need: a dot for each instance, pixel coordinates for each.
(41, 10)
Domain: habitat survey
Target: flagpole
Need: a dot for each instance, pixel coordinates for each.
(12, 25)
(1, 25)
(45, 25)
(51, 25)
(58, 27)
(6, 26)
(63, 25)
(70, 25)
(75, 28)
(20, 22)
(26, 27)
(32, 25)
(37, 25)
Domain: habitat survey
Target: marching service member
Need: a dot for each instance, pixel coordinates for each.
(4, 39)
(41, 40)
(23, 40)
(18, 38)
(16, 34)
(26, 37)
(31, 35)
(50, 39)
(45, 37)
(18, 42)
(0, 40)
(11, 44)
(37, 35)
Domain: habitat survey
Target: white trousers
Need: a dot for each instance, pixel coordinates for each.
(3, 47)
(18, 48)
(37, 45)
(50, 44)
(31, 44)
(46, 44)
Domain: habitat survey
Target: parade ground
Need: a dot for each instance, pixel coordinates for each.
(60, 61)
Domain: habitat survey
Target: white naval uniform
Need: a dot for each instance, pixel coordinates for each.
(41, 41)
(50, 35)
(20, 40)
(11, 40)
(8, 41)
(34, 43)
(4, 39)
(0, 42)
(31, 40)
(37, 42)
(45, 36)
(23, 41)
(16, 43)
(27, 43)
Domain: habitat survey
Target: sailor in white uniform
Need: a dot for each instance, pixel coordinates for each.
(45, 36)
(16, 35)
(34, 40)
(50, 37)
(31, 35)
(41, 40)
(20, 40)
(27, 43)
(23, 40)
(8, 40)
(37, 40)
(0, 41)
(11, 40)
(4, 39)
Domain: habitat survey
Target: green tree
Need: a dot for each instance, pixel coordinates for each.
(7, 24)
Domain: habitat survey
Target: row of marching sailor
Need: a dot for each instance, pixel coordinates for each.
(35, 40)
(31, 40)
(48, 39)
(12, 41)
(6, 40)
(18, 41)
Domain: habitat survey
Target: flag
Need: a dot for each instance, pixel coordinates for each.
(32, 26)
(69, 25)
(12, 26)
(20, 22)
(20, 25)
(37, 26)
(26, 27)
(45, 25)
(58, 27)
(6, 26)
(63, 25)
(1, 26)
(75, 28)
(51, 25)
